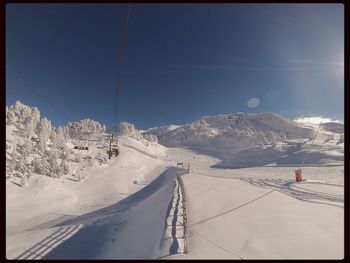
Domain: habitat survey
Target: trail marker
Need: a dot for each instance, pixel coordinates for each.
(298, 175)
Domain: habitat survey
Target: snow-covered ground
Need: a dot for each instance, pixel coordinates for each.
(269, 217)
(261, 212)
(33, 212)
(256, 212)
(242, 202)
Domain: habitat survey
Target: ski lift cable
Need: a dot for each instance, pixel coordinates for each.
(311, 144)
(26, 85)
(120, 60)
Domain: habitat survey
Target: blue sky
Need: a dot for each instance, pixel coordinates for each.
(181, 61)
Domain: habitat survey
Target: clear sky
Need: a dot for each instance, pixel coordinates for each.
(181, 61)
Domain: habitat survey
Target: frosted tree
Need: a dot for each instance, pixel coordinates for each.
(64, 167)
(43, 136)
(53, 138)
(77, 158)
(55, 168)
(14, 154)
(29, 126)
(10, 158)
(44, 130)
(41, 165)
(22, 112)
(66, 132)
(26, 149)
(150, 137)
(10, 116)
(35, 115)
(61, 141)
(125, 128)
(45, 125)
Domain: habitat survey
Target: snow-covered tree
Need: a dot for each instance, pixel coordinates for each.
(10, 117)
(83, 128)
(64, 167)
(61, 141)
(40, 165)
(42, 140)
(53, 138)
(128, 129)
(26, 149)
(150, 137)
(55, 168)
(66, 132)
(44, 130)
(30, 126)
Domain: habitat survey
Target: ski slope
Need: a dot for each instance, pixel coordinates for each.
(45, 202)
(238, 207)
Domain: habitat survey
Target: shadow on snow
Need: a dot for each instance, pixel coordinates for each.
(85, 236)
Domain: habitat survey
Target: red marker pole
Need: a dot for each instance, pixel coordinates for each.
(298, 175)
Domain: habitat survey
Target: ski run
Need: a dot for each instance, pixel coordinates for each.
(222, 187)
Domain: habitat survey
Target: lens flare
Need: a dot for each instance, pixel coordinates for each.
(253, 102)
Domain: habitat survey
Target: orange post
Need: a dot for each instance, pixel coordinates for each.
(298, 175)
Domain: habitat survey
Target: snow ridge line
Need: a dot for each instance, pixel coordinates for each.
(184, 212)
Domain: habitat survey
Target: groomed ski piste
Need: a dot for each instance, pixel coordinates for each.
(132, 206)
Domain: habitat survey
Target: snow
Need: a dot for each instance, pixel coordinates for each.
(261, 213)
(101, 186)
(111, 234)
(317, 120)
(241, 196)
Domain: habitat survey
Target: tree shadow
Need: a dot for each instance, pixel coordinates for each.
(39, 250)
(101, 227)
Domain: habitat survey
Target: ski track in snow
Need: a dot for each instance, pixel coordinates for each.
(291, 188)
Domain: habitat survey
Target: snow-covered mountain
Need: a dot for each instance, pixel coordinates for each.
(239, 129)
(248, 139)
(159, 131)
(33, 145)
